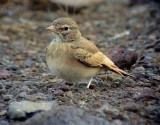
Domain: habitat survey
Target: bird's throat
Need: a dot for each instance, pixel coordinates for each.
(56, 38)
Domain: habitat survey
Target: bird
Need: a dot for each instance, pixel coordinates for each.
(72, 57)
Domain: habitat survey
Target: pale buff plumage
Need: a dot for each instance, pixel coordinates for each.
(74, 58)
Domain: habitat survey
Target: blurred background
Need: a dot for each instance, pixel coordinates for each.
(128, 31)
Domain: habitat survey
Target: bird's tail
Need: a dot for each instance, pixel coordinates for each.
(108, 64)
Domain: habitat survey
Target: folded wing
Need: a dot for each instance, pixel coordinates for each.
(96, 59)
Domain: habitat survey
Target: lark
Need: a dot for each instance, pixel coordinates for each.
(72, 57)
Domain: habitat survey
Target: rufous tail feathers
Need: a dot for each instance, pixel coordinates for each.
(111, 66)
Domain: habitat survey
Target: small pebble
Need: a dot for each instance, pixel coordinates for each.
(58, 92)
(153, 112)
(3, 112)
(131, 106)
(23, 95)
(21, 109)
(65, 88)
(108, 109)
(2, 105)
(2, 122)
(12, 67)
(146, 93)
(4, 74)
(140, 69)
(2, 88)
(157, 47)
(117, 122)
(69, 83)
(156, 77)
(114, 77)
(7, 97)
(25, 89)
(139, 72)
(69, 94)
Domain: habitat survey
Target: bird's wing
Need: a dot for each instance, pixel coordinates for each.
(89, 54)
(94, 60)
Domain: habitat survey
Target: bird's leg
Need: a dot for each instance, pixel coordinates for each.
(89, 83)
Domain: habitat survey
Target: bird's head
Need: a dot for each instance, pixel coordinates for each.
(66, 28)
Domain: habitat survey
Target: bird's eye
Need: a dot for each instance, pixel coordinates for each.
(66, 28)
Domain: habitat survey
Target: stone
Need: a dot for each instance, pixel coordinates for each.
(157, 46)
(156, 77)
(23, 109)
(38, 96)
(124, 58)
(69, 94)
(25, 89)
(58, 92)
(7, 97)
(2, 105)
(65, 115)
(108, 109)
(12, 67)
(2, 88)
(146, 93)
(139, 72)
(131, 106)
(128, 80)
(153, 112)
(2, 122)
(65, 88)
(23, 95)
(117, 122)
(3, 112)
(114, 77)
(4, 74)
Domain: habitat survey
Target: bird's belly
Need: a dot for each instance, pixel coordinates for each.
(71, 72)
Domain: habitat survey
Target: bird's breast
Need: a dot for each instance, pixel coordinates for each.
(61, 62)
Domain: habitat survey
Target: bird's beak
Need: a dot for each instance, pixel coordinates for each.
(51, 28)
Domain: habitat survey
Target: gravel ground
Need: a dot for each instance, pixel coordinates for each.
(24, 75)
